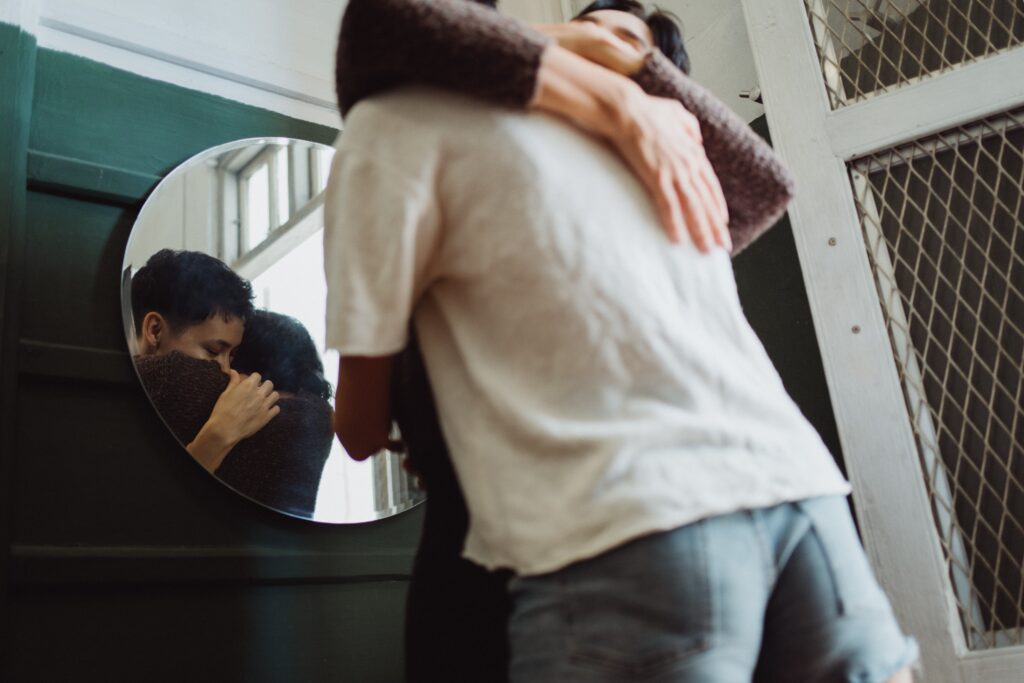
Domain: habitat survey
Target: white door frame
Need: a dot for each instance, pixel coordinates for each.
(875, 430)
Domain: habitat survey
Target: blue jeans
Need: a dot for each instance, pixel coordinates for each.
(777, 594)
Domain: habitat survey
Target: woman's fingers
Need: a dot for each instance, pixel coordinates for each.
(596, 44)
(266, 388)
(716, 204)
(669, 208)
(613, 53)
(662, 143)
(698, 221)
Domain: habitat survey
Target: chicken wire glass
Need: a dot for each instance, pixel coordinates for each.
(874, 46)
(943, 222)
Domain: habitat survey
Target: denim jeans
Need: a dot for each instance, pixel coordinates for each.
(776, 594)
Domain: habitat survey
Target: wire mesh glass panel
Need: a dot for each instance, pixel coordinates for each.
(874, 46)
(943, 221)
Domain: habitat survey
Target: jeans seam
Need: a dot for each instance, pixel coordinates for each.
(771, 572)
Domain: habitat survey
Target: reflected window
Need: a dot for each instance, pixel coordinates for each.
(256, 199)
(266, 188)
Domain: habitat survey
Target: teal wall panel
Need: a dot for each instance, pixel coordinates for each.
(75, 248)
(90, 111)
(123, 558)
(17, 80)
(283, 633)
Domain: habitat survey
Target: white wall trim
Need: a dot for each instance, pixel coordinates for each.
(967, 93)
(179, 60)
(22, 13)
(289, 71)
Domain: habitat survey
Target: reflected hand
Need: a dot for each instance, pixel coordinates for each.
(597, 44)
(662, 143)
(243, 408)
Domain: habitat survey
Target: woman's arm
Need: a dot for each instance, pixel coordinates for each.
(244, 408)
(462, 46)
(657, 137)
(453, 44)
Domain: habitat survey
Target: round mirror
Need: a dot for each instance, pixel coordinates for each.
(223, 298)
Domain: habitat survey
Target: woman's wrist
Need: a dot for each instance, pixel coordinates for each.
(211, 446)
(588, 94)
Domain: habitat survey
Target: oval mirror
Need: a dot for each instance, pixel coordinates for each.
(224, 272)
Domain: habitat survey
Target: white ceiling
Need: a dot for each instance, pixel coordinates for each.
(715, 36)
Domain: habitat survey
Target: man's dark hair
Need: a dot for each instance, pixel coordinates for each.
(188, 288)
(665, 27)
(280, 349)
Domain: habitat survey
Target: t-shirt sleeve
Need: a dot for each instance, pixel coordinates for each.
(381, 231)
(451, 44)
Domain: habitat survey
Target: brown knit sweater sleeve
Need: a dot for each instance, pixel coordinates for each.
(465, 47)
(183, 390)
(452, 44)
(757, 186)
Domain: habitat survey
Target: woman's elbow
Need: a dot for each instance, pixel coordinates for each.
(358, 443)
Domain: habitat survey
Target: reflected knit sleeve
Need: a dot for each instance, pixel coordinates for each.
(452, 44)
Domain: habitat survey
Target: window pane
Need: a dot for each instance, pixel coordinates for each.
(257, 202)
(283, 187)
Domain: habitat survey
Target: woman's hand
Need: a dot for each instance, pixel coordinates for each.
(659, 140)
(596, 44)
(242, 409)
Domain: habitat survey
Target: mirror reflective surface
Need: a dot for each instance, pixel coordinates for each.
(239, 219)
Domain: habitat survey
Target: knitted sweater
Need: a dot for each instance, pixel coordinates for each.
(279, 466)
(463, 46)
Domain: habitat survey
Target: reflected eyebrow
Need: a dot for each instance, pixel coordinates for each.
(220, 344)
(622, 31)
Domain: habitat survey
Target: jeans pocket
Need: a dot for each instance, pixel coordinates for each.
(854, 581)
(643, 608)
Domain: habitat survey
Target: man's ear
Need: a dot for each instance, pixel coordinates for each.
(154, 328)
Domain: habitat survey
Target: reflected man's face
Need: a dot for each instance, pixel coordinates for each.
(215, 338)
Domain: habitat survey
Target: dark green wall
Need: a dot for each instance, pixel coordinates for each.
(771, 289)
(124, 559)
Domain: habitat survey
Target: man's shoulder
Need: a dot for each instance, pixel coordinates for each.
(420, 109)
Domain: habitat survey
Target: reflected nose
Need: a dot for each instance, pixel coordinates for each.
(224, 362)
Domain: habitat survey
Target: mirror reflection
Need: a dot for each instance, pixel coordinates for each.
(223, 300)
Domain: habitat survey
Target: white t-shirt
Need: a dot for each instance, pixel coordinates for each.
(594, 382)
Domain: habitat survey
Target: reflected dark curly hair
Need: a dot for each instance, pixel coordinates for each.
(665, 28)
(280, 349)
(187, 288)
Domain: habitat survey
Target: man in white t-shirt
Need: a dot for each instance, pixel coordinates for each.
(624, 444)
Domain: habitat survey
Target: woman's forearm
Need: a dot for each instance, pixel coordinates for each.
(465, 47)
(571, 87)
(453, 44)
(210, 447)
